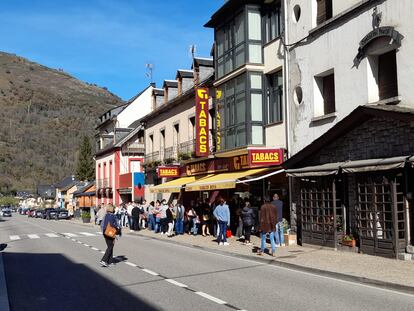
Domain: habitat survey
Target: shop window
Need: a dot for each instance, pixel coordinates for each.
(324, 11)
(387, 75)
(274, 97)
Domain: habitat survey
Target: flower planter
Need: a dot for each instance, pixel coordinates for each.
(290, 239)
(350, 243)
(86, 220)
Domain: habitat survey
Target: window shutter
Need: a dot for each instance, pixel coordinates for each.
(321, 13)
(387, 75)
(329, 94)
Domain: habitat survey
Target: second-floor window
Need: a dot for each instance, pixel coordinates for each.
(387, 75)
(274, 97)
(272, 24)
(324, 12)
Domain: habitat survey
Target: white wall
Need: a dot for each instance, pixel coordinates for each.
(336, 49)
(137, 109)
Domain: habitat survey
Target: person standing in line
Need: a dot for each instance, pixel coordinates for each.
(222, 214)
(107, 259)
(100, 215)
(163, 217)
(248, 218)
(179, 218)
(135, 217)
(144, 214)
(279, 234)
(157, 216)
(130, 220)
(206, 218)
(268, 218)
(170, 220)
(124, 216)
(151, 216)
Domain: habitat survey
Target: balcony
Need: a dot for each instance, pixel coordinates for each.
(170, 154)
(133, 148)
(186, 150)
(183, 151)
(152, 157)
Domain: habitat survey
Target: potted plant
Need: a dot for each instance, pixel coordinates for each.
(290, 238)
(86, 216)
(349, 240)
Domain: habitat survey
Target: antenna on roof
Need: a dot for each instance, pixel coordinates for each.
(150, 69)
(193, 49)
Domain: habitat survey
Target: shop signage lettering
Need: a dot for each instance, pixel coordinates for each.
(168, 171)
(202, 130)
(241, 162)
(265, 157)
(196, 168)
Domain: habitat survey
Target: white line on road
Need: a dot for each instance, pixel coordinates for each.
(14, 237)
(71, 235)
(33, 236)
(102, 252)
(150, 272)
(79, 242)
(176, 283)
(99, 232)
(94, 248)
(87, 234)
(130, 264)
(86, 245)
(207, 296)
(51, 235)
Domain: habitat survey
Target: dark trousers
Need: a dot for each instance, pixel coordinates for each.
(108, 256)
(247, 232)
(135, 224)
(164, 224)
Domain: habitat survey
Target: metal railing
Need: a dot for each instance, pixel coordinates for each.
(103, 183)
(134, 147)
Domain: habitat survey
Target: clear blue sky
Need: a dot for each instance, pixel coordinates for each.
(108, 42)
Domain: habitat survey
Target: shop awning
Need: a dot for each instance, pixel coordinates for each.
(261, 177)
(357, 166)
(172, 186)
(222, 181)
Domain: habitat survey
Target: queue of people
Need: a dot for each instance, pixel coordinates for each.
(217, 218)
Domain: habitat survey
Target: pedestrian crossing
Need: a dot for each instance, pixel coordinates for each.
(53, 235)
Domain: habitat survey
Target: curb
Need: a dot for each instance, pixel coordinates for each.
(331, 274)
(4, 297)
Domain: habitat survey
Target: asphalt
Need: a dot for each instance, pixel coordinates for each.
(62, 273)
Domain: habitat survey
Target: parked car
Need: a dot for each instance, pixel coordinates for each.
(62, 214)
(6, 212)
(50, 213)
(31, 213)
(39, 213)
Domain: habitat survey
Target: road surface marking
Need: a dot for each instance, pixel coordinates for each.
(99, 232)
(51, 235)
(150, 272)
(209, 297)
(33, 236)
(71, 235)
(87, 234)
(79, 242)
(176, 283)
(102, 252)
(14, 237)
(130, 264)
(86, 245)
(94, 248)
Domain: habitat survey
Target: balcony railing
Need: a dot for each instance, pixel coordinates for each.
(168, 155)
(134, 148)
(187, 147)
(103, 183)
(152, 157)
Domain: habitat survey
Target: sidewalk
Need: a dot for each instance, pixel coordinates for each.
(374, 270)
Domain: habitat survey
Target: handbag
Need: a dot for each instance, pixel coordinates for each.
(110, 231)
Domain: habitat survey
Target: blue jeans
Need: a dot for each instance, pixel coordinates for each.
(222, 237)
(151, 222)
(272, 241)
(194, 228)
(279, 234)
(179, 226)
(157, 225)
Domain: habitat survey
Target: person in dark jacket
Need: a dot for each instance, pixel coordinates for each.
(135, 213)
(268, 219)
(110, 218)
(279, 232)
(248, 218)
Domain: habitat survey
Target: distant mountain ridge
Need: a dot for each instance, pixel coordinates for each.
(44, 113)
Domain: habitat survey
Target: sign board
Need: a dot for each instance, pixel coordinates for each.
(265, 157)
(168, 171)
(201, 118)
(138, 183)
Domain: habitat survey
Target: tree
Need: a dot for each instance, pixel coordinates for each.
(85, 167)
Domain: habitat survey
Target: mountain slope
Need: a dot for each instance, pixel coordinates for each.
(43, 115)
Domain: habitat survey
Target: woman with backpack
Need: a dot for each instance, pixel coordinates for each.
(248, 218)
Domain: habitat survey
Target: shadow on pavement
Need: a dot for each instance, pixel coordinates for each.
(2, 246)
(53, 282)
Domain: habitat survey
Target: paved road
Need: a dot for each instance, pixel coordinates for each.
(53, 265)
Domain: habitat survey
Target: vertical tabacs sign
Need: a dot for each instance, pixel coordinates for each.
(218, 121)
(202, 130)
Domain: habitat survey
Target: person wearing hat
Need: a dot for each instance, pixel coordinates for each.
(110, 218)
(268, 219)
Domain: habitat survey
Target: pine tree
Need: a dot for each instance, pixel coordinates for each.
(85, 166)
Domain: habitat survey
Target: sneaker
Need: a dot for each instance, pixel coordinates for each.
(221, 243)
(249, 243)
(226, 243)
(103, 264)
(283, 244)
